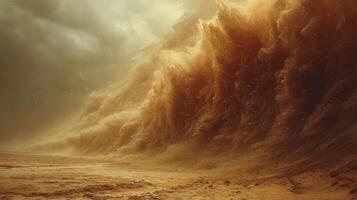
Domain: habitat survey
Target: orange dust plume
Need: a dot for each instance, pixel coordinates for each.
(278, 75)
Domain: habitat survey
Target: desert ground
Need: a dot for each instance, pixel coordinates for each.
(26, 176)
(178, 100)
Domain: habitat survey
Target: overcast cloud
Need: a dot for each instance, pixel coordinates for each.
(55, 52)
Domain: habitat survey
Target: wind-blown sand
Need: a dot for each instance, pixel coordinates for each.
(259, 102)
(24, 176)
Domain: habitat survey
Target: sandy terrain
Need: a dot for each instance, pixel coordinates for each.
(258, 102)
(51, 177)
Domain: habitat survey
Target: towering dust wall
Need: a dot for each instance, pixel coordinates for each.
(278, 74)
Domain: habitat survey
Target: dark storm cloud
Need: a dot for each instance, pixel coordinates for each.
(55, 52)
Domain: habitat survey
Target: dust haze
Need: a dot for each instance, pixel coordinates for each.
(55, 53)
(233, 99)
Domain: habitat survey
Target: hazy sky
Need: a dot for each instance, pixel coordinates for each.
(55, 52)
